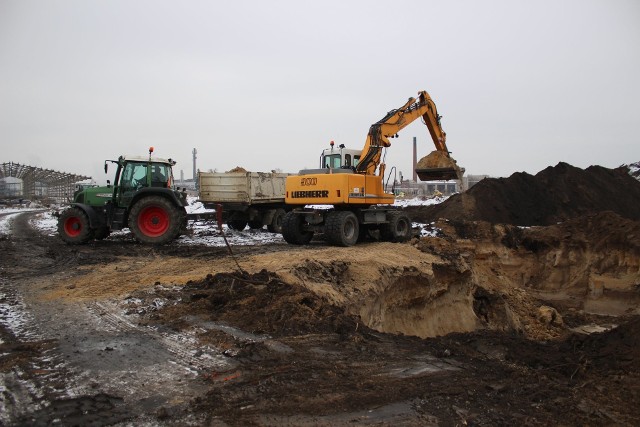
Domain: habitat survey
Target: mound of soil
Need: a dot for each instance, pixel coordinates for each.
(614, 351)
(552, 195)
(260, 303)
(601, 232)
(237, 169)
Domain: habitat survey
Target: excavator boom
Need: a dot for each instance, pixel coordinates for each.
(437, 166)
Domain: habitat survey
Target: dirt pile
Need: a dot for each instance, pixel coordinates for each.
(436, 166)
(554, 194)
(260, 303)
(589, 264)
(582, 356)
(237, 169)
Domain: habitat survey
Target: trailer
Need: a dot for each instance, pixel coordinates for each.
(246, 198)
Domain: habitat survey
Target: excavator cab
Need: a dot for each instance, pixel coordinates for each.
(339, 158)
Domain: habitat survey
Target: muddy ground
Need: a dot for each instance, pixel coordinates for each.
(485, 324)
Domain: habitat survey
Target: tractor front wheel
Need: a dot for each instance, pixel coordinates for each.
(155, 220)
(73, 226)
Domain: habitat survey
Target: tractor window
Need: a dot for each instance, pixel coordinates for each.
(160, 175)
(134, 176)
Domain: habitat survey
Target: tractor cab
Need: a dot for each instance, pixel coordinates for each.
(136, 173)
(339, 158)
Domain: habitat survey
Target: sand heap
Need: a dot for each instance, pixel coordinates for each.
(552, 195)
(237, 169)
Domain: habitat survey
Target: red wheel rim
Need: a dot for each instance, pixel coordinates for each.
(153, 221)
(73, 226)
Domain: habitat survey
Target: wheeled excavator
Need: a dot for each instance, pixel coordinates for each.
(348, 192)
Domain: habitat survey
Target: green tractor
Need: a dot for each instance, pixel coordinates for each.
(141, 198)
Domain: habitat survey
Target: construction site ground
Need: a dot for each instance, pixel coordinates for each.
(476, 323)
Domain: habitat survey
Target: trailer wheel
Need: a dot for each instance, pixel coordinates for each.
(255, 225)
(341, 228)
(398, 229)
(293, 230)
(155, 220)
(276, 222)
(101, 233)
(237, 224)
(73, 226)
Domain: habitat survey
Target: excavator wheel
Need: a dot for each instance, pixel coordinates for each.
(293, 231)
(155, 220)
(398, 229)
(341, 228)
(73, 226)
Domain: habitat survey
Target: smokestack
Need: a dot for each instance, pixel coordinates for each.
(194, 152)
(415, 159)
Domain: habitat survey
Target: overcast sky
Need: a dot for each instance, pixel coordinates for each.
(264, 85)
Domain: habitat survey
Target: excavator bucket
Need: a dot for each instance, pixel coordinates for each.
(438, 166)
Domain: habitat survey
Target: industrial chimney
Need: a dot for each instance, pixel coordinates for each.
(415, 159)
(194, 152)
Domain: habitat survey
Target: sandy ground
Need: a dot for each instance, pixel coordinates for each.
(472, 323)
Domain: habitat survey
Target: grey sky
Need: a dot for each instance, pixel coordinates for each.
(521, 85)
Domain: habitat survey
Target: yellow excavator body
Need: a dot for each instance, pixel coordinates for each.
(340, 188)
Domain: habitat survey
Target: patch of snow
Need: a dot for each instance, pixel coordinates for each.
(426, 230)
(46, 223)
(634, 170)
(419, 201)
(196, 206)
(5, 222)
(206, 232)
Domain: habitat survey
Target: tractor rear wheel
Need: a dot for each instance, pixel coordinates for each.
(73, 226)
(155, 220)
(293, 230)
(398, 229)
(342, 228)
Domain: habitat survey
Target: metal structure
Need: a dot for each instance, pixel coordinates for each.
(38, 183)
(194, 152)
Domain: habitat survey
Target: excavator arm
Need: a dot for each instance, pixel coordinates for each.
(394, 122)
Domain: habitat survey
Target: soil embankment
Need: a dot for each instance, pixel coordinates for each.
(552, 195)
